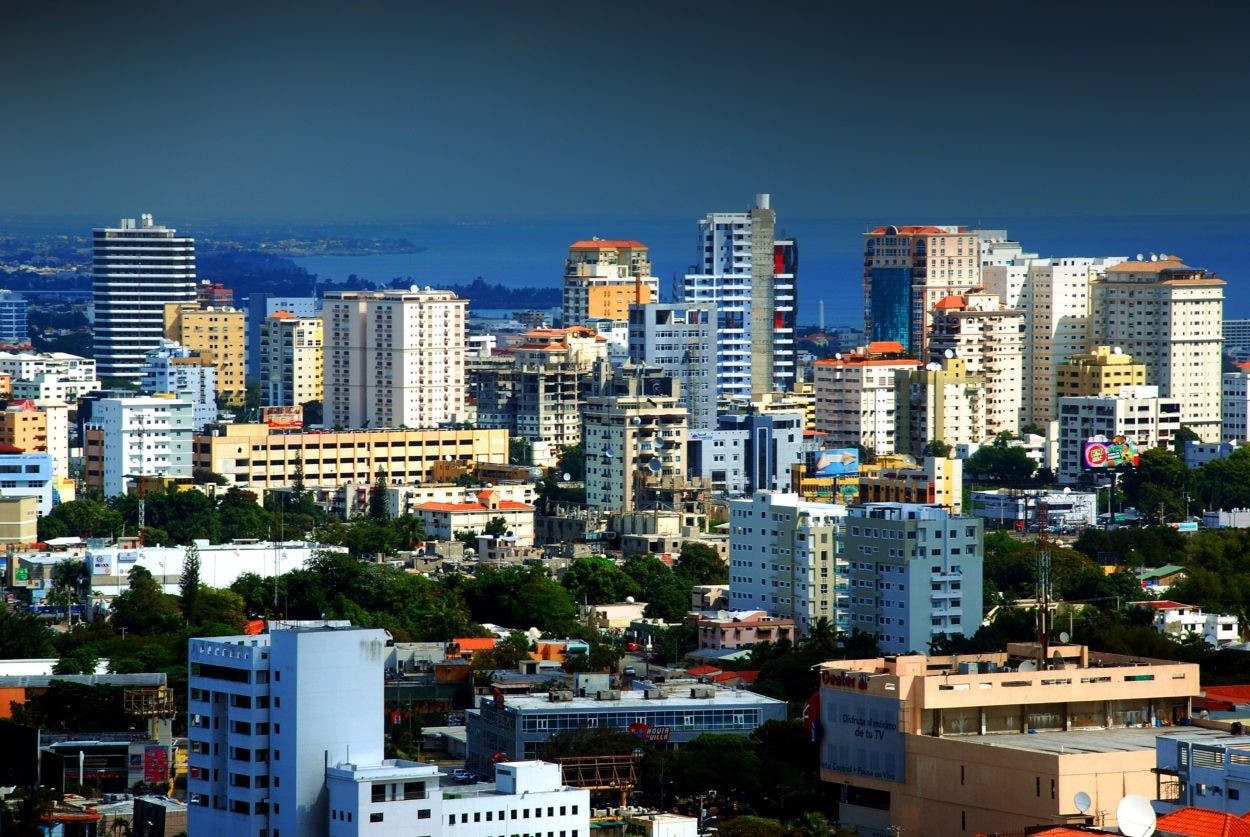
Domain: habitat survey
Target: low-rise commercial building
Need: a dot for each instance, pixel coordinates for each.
(1180, 621)
(995, 743)
(444, 520)
(741, 629)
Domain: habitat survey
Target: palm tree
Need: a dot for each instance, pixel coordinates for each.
(821, 634)
(72, 579)
(34, 804)
(120, 826)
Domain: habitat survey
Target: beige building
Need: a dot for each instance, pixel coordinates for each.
(219, 335)
(262, 458)
(1102, 371)
(603, 278)
(394, 358)
(855, 396)
(292, 360)
(938, 480)
(1054, 296)
(988, 338)
(1168, 316)
(907, 271)
(939, 402)
(19, 520)
(993, 743)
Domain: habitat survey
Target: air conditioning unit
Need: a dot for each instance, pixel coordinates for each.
(703, 692)
(653, 694)
(608, 694)
(560, 696)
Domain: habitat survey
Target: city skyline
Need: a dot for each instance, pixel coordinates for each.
(316, 111)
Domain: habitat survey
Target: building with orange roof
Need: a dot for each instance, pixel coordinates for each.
(907, 271)
(443, 521)
(292, 359)
(602, 278)
(1169, 316)
(988, 337)
(855, 396)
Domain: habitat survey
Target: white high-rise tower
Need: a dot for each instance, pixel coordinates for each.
(136, 270)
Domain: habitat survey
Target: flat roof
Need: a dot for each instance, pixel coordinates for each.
(634, 698)
(1100, 740)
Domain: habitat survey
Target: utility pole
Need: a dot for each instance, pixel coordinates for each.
(1043, 586)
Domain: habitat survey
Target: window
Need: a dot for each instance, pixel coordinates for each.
(423, 814)
(375, 817)
(379, 793)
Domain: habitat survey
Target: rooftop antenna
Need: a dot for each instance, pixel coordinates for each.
(1043, 585)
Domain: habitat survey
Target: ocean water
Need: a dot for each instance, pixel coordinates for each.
(830, 251)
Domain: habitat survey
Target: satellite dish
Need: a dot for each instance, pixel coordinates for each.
(934, 367)
(655, 466)
(536, 473)
(567, 476)
(837, 355)
(629, 600)
(1027, 666)
(413, 289)
(1064, 636)
(949, 353)
(1117, 350)
(1153, 258)
(1082, 802)
(635, 420)
(1140, 257)
(610, 453)
(1135, 817)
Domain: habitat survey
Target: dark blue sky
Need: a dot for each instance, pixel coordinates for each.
(387, 111)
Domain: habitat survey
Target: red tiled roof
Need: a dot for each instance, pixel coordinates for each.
(282, 315)
(1236, 694)
(504, 505)
(475, 643)
(701, 671)
(952, 303)
(1201, 822)
(913, 230)
(607, 244)
(748, 677)
(1164, 604)
(885, 347)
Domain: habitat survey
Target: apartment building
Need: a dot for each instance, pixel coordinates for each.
(1104, 370)
(28, 475)
(1138, 413)
(681, 340)
(25, 427)
(260, 457)
(942, 401)
(292, 359)
(996, 743)
(13, 327)
(907, 271)
(53, 376)
(855, 396)
(602, 278)
(444, 520)
(265, 714)
(785, 559)
(261, 306)
(914, 572)
(537, 395)
(186, 374)
(136, 270)
(1169, 316)
(1054, 295)
(217, 334)
(128, 438)
(988, 338)
(1235, 406)
(394, 358)
(750, 277)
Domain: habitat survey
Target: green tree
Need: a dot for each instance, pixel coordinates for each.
(497, 526)
(217, 612)
(144, 608)
(596, 579)
(1183, 435)
(1158, 484)
(936, 447)
(1001, 462)
(86, 518)
(749, 825)
(520, 451)
(189, 583)
(242, 517)
(71, 580)
(701, 564)
(377, 497)
(23, 636)
(572, 461)
(78, 661)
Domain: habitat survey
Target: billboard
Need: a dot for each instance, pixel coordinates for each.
(840, 462)
(859, 732)
(283, 418)
(1119, 452)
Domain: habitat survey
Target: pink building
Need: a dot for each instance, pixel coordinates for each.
(741, 629)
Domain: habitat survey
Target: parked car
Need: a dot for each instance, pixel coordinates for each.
(462, 775)
(631, 646)
(628, 671)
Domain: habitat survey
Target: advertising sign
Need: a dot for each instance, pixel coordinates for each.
(860, 735)
(840, 462)
(1118, 452)
(283, 418)
(155, 763)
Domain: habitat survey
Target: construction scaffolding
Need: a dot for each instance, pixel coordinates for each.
(601, 773)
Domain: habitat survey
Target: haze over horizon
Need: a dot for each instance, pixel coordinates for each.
(387, 112)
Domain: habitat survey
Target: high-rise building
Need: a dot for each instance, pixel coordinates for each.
(130, 438)
(785, 558)
(394, 358)
(209, 294)
(771, 441)
(681, 340)
(261, 306)
(1137, 413)
(855, 397)
(292, 369)
(265, 713)
(1168, 316)
(750, 276)
(907, 270)
(13, 328)
(538, 394)
(976, 328)
(603, 278)
(217, 334)
(915, 571)
(185, 373)
(136, 270)
(1102, 371)
(634, 436)
(941, 402)
(1235, 407)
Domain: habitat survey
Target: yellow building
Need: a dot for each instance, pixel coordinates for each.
(262, 457)
(1101, 372)
(994, 743)
(603, 278)
(219, 335)
(891, 479)
(292, 360)
(24, 428)
(19, 520)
